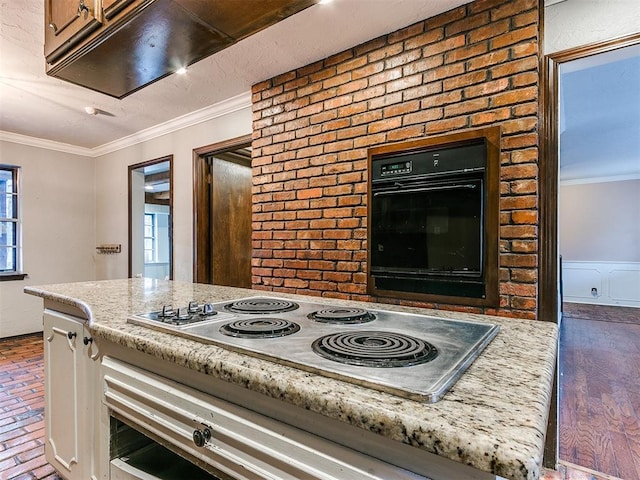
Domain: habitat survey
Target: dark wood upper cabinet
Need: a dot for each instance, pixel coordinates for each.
(67, 22)
(119, 46)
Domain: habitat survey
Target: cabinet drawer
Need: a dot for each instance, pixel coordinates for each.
(239, 443)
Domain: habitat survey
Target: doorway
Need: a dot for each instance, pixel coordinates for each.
(587, 217)
(150, 219)
(222, 213)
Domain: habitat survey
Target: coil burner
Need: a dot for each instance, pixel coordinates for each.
(259, 328)
(374, 349)
(261, 306)
(342, 315)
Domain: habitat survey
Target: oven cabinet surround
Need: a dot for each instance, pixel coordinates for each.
(491, 424)
(72, 366)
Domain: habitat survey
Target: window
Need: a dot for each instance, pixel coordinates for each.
(150, 250)
(9, 224)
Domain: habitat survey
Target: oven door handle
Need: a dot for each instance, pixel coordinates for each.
(427, 189)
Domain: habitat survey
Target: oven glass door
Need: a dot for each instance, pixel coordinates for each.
(429, 228)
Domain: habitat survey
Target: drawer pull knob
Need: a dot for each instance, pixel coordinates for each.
(200, 437)
(71, 335)
(87, 340)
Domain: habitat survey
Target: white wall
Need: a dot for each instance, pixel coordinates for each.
(112, 193)
(600, 222)
(58, 229)
(574, 23)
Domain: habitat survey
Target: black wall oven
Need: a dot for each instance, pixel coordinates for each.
(430, 224)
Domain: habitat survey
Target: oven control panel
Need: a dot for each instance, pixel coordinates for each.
(396, 168)
(434, 161)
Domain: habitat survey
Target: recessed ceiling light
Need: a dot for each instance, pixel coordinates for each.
(181, 70)
(91, 110)
(324, 2)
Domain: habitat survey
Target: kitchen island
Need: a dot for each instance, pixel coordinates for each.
(493, 420)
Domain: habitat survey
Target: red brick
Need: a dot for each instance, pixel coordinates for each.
(516, 96)
(517, 203)
(524, 186)
(515, 67)
(520, 141)
(388, 51)
(405, 133)
(465, 80)
(524, 246)
(385, 101)
(368, 70)
(369, 93)
(383, 125)
(518, 171)
(490, 116)
(426, 115)
(446, 125)
(351, 64)
(524, 217)
(518, 231)
(429, 37)
(522, 275)
(515, 36)
(424, 65)
(526, 49)
(469, 106)
(488, 60)
(422, 91)
(510, 9)
(459, 54)
(520, 125)
(445, 18)
(405, 33)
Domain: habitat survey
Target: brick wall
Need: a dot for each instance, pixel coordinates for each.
(476, 65)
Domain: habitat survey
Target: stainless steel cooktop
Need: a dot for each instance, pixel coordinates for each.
(413, 356)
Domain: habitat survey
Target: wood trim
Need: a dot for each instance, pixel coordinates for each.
(492, 197)
(168, 158)
(548, 301)
(224, 146)
(202, 200)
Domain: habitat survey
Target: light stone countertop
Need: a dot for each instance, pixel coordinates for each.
(494, 417)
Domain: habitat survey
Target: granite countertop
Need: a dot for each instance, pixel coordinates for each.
(493, 418)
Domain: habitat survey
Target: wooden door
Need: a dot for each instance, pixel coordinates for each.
(230, 220)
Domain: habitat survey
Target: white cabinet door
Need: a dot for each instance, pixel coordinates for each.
(70, 374)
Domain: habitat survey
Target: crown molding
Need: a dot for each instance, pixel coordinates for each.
(589, 180)
(46, 144)
(216, 110)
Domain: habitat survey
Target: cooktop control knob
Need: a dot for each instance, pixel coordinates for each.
(207, 309)
(200, 437)
(193, 307)
(167, 311)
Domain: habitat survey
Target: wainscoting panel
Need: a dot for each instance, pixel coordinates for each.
(602, 283)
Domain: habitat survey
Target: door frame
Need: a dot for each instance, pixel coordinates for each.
(167, 158)
(202, 248)
(548, 301)
(548, 282)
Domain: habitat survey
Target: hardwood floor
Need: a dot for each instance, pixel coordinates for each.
(21, 410)
(600, 390)
(599, 395)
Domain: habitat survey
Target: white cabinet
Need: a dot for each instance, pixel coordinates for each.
(72, 401)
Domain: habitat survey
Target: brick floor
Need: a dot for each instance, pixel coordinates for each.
(22, 410)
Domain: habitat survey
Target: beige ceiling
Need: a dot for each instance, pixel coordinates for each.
(35, 105)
